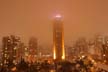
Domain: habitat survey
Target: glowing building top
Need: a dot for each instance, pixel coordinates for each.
(58, 17)
(58, 38)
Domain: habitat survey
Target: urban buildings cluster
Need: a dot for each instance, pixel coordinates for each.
(13, 49)
(15, 52)
(97, 48)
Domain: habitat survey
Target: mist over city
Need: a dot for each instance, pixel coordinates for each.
(53, 36)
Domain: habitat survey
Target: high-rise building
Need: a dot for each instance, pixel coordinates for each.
(99, 41)
(33, 48)
(105, 49)
(9, 49)
(58, 38)
(81, 46)
(22, 51)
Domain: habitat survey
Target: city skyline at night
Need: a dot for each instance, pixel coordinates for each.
(53, 35)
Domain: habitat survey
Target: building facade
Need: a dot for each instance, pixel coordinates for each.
(9, 49)
(33, 51)
(58, 39)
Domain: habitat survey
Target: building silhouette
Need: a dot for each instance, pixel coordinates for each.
(33, 45)
(22, 51)
(9, 49)
(58, 38)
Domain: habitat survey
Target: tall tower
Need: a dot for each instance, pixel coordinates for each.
(58, 39)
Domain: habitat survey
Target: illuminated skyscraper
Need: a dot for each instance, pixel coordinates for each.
(58, 38)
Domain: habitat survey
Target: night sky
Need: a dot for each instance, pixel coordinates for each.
(27, 18)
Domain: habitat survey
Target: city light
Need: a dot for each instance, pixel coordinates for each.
(82, 56)
(63, 50)
(104, 55)
(54, 53)
(13, 69)
(58, 16)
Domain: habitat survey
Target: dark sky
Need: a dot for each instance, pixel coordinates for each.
(28, 18)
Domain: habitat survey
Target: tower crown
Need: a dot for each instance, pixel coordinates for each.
(58, 17)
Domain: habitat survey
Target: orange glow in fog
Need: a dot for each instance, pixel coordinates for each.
(54, 53)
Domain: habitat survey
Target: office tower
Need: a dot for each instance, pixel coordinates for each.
(58, 39)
